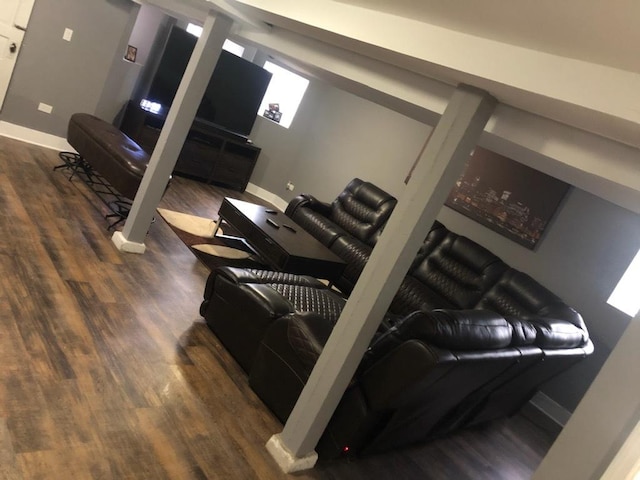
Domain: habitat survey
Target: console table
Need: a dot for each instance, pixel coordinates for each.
(209, 154)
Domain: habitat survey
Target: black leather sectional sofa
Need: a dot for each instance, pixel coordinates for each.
(467, 338)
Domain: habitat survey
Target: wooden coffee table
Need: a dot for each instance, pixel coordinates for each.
(280, 242)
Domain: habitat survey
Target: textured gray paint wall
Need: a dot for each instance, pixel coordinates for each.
(76, 76)
(343, 137)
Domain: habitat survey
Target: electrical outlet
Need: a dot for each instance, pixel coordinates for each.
(43, 107)
(290, 186)
(68, 33)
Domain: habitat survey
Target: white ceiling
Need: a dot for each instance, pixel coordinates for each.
(606, 32)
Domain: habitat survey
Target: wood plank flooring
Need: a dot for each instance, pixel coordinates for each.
(109, 372)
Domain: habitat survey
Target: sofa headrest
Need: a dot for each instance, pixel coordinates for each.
(362, 209)
(456, 268)
(368, 194)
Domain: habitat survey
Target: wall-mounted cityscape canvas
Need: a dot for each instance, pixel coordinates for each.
(506, 196)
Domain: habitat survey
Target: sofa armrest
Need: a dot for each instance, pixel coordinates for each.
(557, 333)
(286, 356)
(308, 201)
(240, 314)
(391, 378)
(460, 330)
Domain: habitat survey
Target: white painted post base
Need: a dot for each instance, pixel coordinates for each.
(125, 245)
(286, 460)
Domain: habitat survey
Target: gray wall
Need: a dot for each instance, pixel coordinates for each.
(583, 255)
(281, 147)
(335, 137)
(87, 74)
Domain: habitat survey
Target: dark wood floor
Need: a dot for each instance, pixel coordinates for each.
(108, 371)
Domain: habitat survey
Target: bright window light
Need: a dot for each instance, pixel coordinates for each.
(283, 96)
(228, 45)
(233, 47)
(626, 296)
(194, 29)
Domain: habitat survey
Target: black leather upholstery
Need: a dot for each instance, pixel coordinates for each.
(349, 226)
(468, 339)
(450, 271)
(120, 160)
(355, 254)
(360, 211)
(241, 304)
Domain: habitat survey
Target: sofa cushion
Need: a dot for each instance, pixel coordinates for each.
(414, 295)
(524, 333)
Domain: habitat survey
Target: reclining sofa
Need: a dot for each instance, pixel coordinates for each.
(467, 339)
(349, 226)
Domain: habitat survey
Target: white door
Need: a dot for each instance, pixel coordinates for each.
(14, 16)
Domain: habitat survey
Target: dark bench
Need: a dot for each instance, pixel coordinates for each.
(108, 161)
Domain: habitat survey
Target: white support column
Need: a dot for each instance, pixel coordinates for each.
(440, 165)
(603, 422)
(176, 127)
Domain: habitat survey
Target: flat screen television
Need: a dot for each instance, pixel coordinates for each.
(234, 92)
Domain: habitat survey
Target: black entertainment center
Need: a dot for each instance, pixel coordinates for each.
(216, 149)
(209, 154)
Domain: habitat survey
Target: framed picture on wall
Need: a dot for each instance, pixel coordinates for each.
(131, 54)
(506, 196)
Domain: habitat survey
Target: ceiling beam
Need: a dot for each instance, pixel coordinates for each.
(598, 165)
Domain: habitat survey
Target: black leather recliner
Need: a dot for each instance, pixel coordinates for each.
(349, 226)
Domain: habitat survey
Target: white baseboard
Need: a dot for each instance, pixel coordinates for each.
(546, 413)
(267, 196)
(34, 137)
(551, 408)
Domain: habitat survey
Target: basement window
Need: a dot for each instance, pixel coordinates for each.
(626, 296)
(228, 45)
(283, 96)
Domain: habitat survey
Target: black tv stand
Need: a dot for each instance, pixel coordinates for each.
(210, 153)
(221, 131)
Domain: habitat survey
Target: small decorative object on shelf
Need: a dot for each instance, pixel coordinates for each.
(273, 113)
